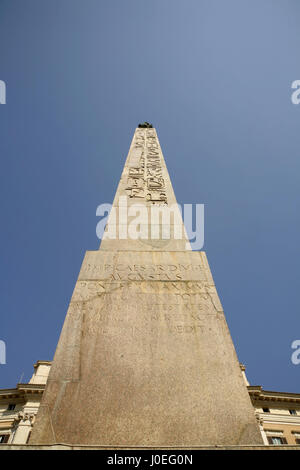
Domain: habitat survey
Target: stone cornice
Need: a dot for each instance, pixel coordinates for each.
(21, 391)
(257, 393)
(42, 363)
(31, 388)
(272, 418)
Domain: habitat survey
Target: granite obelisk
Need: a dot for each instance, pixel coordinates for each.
(145, 357)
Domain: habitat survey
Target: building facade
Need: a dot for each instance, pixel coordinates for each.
(278, 413)
(19, 406)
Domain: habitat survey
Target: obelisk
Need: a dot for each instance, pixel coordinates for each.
(145, 357)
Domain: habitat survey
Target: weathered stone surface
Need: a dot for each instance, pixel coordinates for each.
(145, 357)
(115, 448)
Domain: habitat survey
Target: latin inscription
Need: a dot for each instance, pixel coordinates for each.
(178, 308)
(140, 272)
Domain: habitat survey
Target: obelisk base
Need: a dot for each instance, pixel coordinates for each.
(145, 358)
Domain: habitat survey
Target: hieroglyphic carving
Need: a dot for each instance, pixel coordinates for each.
(145, 178)
(155, 182)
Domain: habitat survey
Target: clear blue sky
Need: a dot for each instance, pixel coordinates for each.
(214, 78)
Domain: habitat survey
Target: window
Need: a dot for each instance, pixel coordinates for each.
(266, 410)
(293, 412)
(11, 407)
(297, 441)
(4, 438)
(277, 441)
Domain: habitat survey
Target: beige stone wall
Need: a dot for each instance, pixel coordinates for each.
(274, 429)
(41, 372)
(279, 422)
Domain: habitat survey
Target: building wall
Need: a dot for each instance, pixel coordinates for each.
(19, 406)
(279, 422)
